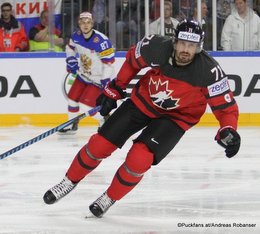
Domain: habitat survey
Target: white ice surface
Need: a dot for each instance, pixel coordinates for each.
(195, 185)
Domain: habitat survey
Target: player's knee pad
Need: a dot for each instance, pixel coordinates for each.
(139, 158)
(99, 147)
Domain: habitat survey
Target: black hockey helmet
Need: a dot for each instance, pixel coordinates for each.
(190, 30)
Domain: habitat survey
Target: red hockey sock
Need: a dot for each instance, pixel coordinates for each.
(89, 157)
(130, 173)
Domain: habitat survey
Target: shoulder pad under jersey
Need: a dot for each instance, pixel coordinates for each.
(155, 49)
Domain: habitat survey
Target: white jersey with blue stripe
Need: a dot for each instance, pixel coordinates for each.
(96, 55)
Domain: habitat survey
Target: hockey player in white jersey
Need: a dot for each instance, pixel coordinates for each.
(90, 57)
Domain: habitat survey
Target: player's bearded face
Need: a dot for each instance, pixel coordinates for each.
(85, 25)
(185, 52)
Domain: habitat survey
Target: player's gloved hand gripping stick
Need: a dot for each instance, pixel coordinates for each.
(50, 132)
(107, 100)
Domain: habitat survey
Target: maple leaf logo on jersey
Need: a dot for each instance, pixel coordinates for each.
(161, 95)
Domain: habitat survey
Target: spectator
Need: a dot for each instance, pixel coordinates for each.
(40, 38)
(184, 9)
(126, 26)
(99, 11)
(155, 10)
(169, 22)
(241, 30)
(206, 24)
(12, 34)
(94, 69)
(223, 11)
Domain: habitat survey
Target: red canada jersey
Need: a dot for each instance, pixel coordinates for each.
(180, 93)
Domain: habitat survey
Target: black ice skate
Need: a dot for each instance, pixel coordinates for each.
(99, 207)
(58, 191)
(69, 130)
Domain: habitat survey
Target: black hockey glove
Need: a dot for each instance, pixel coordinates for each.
(229, 139)
(107, 99)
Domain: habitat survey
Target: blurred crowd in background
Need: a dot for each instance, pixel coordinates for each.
(125, 22)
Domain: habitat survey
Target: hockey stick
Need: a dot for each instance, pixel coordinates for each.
(50, 132)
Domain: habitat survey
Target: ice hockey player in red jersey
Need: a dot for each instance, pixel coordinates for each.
(168, 100)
